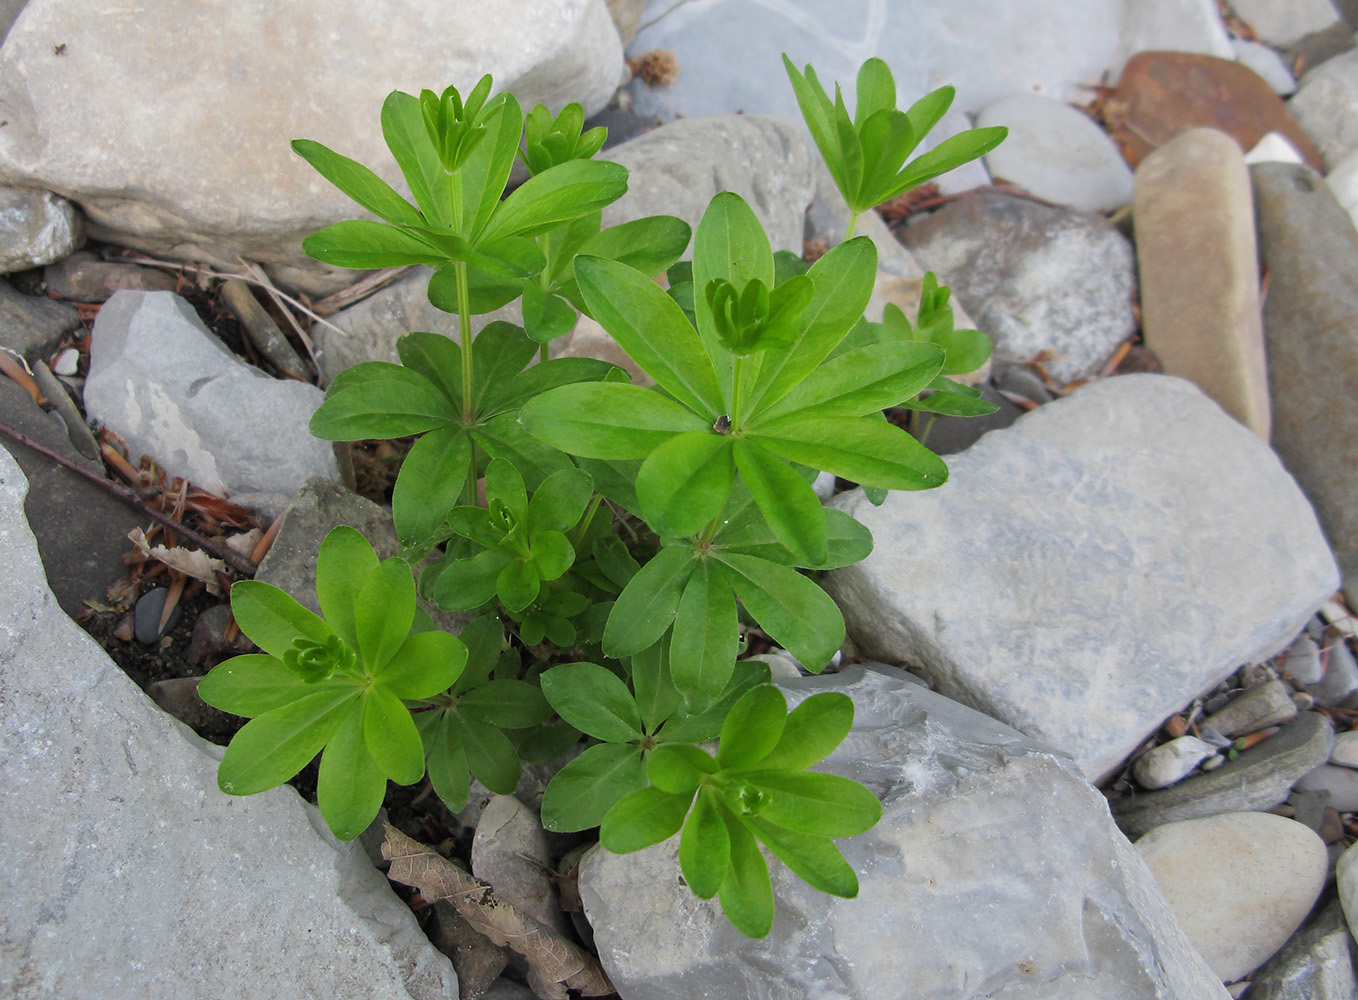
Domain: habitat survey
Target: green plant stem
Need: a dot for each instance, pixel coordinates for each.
(737, 376)
(464, 332)
(849, 230)
(583, 526)
(542, 353)
(709, 532)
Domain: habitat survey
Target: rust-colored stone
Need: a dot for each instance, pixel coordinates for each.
(1165, 93)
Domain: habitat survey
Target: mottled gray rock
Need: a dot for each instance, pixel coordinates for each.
(1302, 661)
(1170, 26)
(1035, 277)
(36, 228)
(81, 553)
(33, 325)
(193, 157)
(83, 277)
(1345, 750)
(1326, 106)
(1346, 874)
(314, 510)
(1199, 271)
(1260, 778)
(1162, 766)
(965, 891)
(1240, 883)
(1341, 674)
(129, 876)
(163, 382)
(1265, 61)
(1057, 153)
(510, 852)
(1085, 573)
(1264, 705)
(1282, 22)
(676, 170)
(729, 52)
(1316, 964)
(1309, 247)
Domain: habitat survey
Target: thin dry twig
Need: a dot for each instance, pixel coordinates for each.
(359, 290)
(277, 297)
(232, 559)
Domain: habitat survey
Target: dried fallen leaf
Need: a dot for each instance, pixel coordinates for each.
(190, 562)
(555, 964)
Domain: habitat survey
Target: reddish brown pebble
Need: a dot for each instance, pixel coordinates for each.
(1331, 826)
(1176, 727)
(125, 630)
(1162, 94)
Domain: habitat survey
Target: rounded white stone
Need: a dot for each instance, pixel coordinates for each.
(1345, 749)
(1240, 883)
(1057, 153)
(1162, 766)
(1273, 148)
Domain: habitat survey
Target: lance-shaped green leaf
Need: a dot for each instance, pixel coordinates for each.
(349, 785)
(645, 817)
(948, 154)
(799, 615)
(866, 451)
(447, 761)
(272, 747)
(506, 702)
(391, 737)
(826, 805)
(431, 480)
(684, 483)
(252, 684)
(705, 846)
(593, 700)
(790, 507)
(706, 637)
(381, 401)
(847, 542)
(359, 183)
(811, 731)
(581, 793)
(383, 612)
(650, 244)
(753, 728)
(405, 135)
(746, 893)
(426, 664)
(370, 245)
(606, 420)
(565, 192)
(648, 604)
(653, 331)
(272, 619)
(864, 381)
(490, 755)
(815, 860)
(343, 565)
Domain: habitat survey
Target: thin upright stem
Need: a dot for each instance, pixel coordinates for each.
(853, 224)
(737, 377)
(464, 337)
(583, 527)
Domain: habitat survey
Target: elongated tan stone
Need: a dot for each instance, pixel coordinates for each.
(1199, 271)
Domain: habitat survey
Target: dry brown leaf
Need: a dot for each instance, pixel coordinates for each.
(555, 964)
(190, 562)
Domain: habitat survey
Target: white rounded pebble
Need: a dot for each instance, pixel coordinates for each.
(1265, 61)
(1240, 883)
(1273, 148)
(1162, 766)
(1340, 782)
(67, 362)
(1212, 763)
(1302, 661)
(1345, 749)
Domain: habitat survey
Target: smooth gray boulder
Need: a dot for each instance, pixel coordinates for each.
(729, 51)
(994, 872)
(1041, 280)
(189, 152)
(1086, 572)
(129, 876)
(171, 390)
(1327, 107)
(1309, 247)
(1316, 964)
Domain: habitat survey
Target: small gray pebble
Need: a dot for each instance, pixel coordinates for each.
(1303, 701)
(1212, 763)
(146, 616)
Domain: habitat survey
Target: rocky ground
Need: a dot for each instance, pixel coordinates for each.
(1105, 677)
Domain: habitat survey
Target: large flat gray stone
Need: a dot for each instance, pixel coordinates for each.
(1088, 571)
(129, 876)
(169, 121)
(994, 872)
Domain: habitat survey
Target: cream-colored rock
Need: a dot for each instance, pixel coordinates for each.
(1240, 883)
(169, 121)
(1199, 271)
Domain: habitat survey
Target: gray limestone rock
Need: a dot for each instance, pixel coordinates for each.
(1309, 247)
(676, 170)
(1326, 106)
(1035, 277)
(1260, 778)
(172, 391)
(729, 51)
(36, 228)
(1170, 26)
(966, 890)
(1085, 573)
(1057, 153)
(1265, 61)
(1316, 964)
(1264, 705)
(83, 277)
(129, 876)
(1162, 766)
(33, 325)
(1282, 22)
(192, 157)
(1340, 782)
(81, 529)
(510, 852)
(314, 510)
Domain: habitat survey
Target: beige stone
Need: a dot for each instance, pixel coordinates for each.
(1195, 245)
(626, 16)
(1240, 883)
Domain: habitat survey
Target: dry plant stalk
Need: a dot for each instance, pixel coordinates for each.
(555, 964)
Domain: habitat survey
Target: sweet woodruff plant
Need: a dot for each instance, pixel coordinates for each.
(609, 540)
